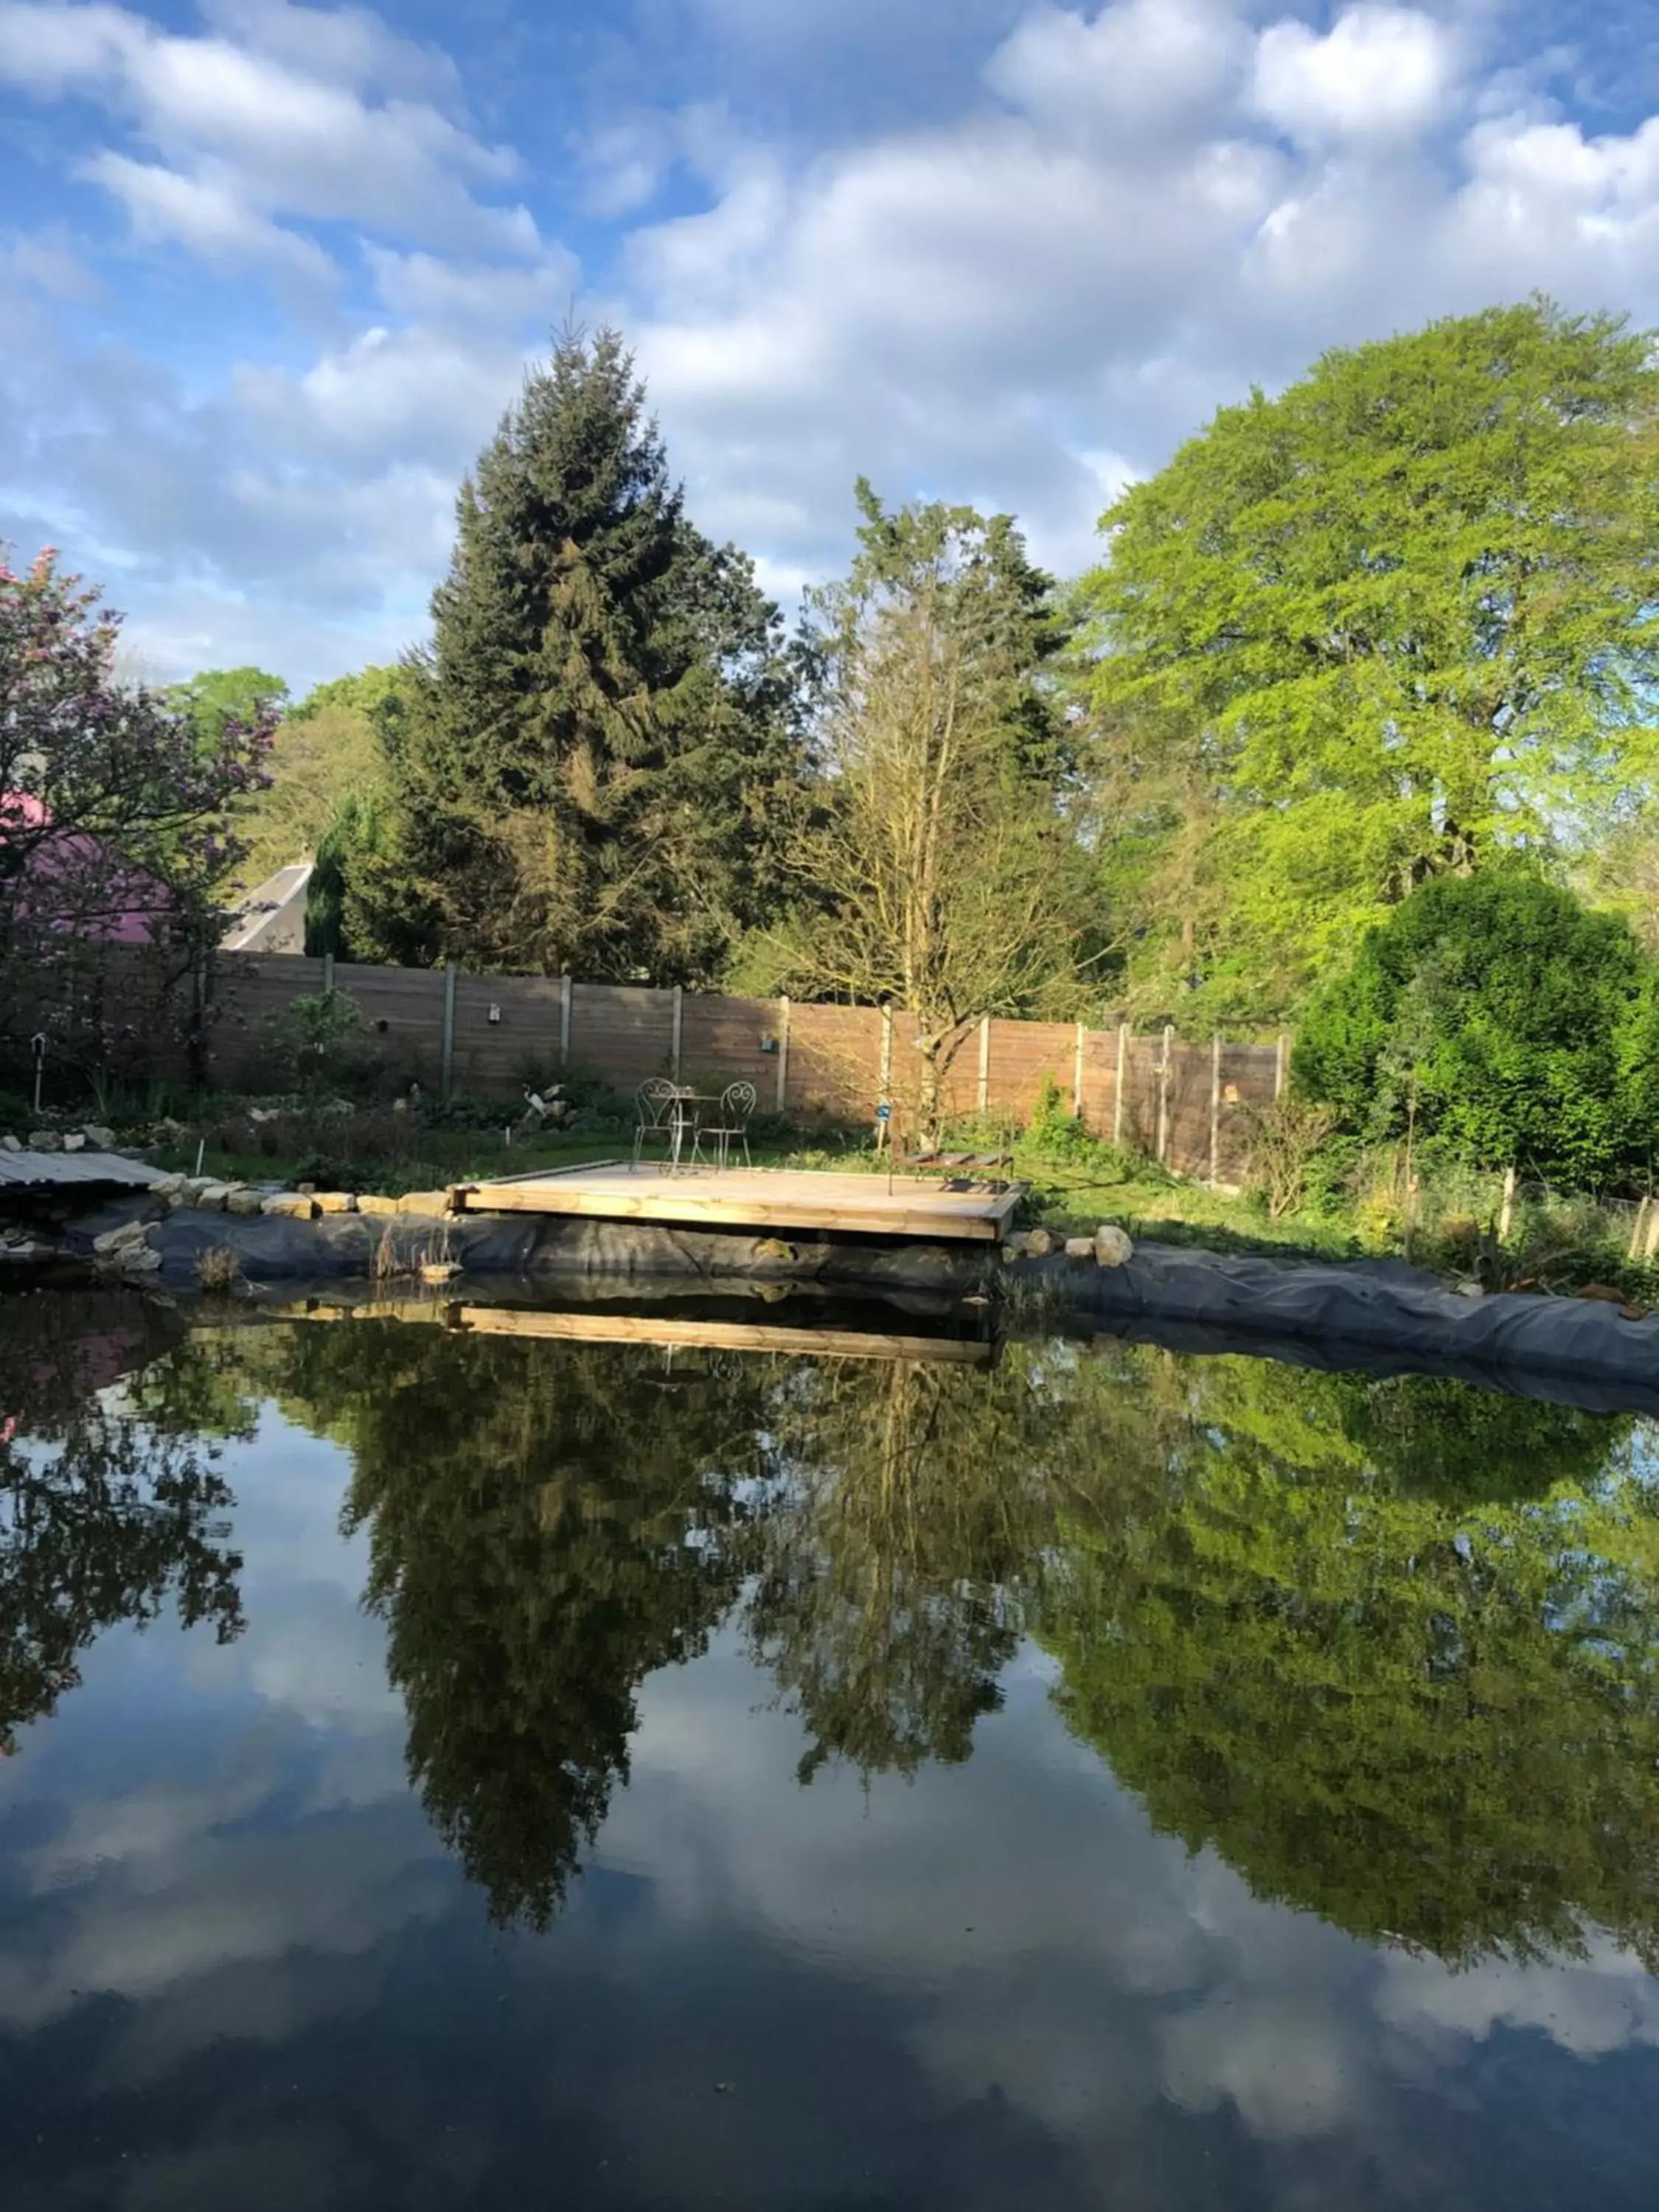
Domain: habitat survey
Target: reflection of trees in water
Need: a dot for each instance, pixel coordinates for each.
(908, 1504)
(1387, 1646)
(546, 1529)
(104, 1515)
(1420, 1704)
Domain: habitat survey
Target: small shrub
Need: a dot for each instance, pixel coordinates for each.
(219, 1269)
(317, 1045)
(1283, 1144)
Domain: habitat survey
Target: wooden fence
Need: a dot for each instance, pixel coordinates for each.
(488, 1035)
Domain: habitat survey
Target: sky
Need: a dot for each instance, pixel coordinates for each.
(270, 273)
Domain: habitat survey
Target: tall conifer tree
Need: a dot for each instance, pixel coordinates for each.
(581, 778)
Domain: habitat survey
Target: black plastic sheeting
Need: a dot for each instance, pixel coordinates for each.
(1378, 1317)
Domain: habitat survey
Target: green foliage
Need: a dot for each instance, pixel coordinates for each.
(1496, 1014)
(1392, 622)
(221, 696)
(317, 1046)
(938, 868)
(585, 772)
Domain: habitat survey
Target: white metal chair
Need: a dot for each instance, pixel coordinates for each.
(738, 1103)
(655, 1121)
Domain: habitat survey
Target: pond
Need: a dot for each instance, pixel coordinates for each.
(467, 1770)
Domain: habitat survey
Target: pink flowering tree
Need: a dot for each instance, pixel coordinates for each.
(116, 838)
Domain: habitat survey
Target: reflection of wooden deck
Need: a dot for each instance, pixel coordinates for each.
(720, 1335)
(800, 1200)
(600, 1327)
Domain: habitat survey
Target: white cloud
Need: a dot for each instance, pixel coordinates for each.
(204, 214)
(1379, 71)
(428, 289)
(283, 134)
(1143, 68)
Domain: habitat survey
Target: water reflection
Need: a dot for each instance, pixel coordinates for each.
(1387, 1647)
(111, 1507)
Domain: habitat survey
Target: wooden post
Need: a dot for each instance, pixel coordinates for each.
(448, 1060)
(1122, 1082)
(1215, 1107)
(1506, 1211)
(783, 1053)
(985, 1063)
(564, 1020)
(1077, 1072)
(1281, 1065)
(1638, 1228)
(679, 997)
(1163, 1095)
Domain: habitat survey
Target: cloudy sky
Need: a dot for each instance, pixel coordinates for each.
(269, 273)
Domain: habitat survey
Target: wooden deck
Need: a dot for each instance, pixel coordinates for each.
(792, 1200)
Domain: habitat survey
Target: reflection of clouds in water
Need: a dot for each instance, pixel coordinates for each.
(174, 1886)
(1591, 2009)
(1106, 1968)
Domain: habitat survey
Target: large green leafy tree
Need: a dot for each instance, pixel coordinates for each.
(1382, 626)
(1495, 1013)
(218, 697)
(583, 776)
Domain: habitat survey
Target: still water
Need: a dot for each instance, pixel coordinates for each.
(459, 1771)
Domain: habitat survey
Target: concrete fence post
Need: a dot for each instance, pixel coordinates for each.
(328, 973)
(783, 1055)
(1281, 1065)
(984, 1063)
(1215, 1107)
(1163, 1095)
(1077, 1072)
(564, 1020)
(1122, 1084)
(448, 1050)
(674, 1053)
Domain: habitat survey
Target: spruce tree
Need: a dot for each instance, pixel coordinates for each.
(581, 778)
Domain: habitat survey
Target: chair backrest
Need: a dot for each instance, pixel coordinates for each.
(652, 1100)
(738, 1102)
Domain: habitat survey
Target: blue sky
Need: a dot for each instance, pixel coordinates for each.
(269, 273)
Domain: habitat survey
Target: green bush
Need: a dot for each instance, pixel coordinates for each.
(1498, 1015)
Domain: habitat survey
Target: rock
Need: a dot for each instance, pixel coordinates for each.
(1079, 1248)
(244, 1201)
(45, 1140)
(75, 1142)
(117, 1240)
(1040, 1243)
(421, 1201)
(138, 1260)
(1114, 1247)
(167, 1186)
(373, 1202)
(11, 1144)
(1011, 1251)
(290, 1205)
(439, 1270)
(101, 1140)
(335, 1201)
(774, 1248)
(211, 1196)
